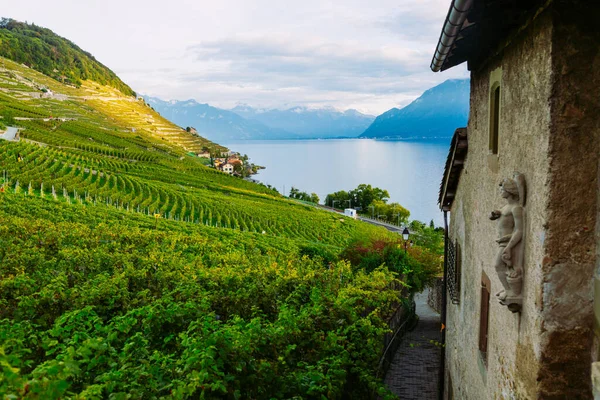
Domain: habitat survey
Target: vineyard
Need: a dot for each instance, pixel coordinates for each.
(63, 177)
(128, 269)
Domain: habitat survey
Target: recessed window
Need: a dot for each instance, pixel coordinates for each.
(454, 269)
(484, 316)
(494, 117)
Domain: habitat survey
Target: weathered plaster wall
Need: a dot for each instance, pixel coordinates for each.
(514, 339)
(434, 297)
(570, 255)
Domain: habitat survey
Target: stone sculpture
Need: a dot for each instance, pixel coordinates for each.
(509, 261)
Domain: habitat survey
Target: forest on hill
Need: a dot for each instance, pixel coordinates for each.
(43, 50)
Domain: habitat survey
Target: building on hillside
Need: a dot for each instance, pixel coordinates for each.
(521, 192)
(228, 168)
(350, 212)
(204, 154)
(235, 161)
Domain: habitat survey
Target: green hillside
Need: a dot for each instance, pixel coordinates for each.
(129, 269)
(43, 50)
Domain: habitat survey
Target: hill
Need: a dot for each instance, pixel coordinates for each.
(435, 114)
(214, 123)
(43, 50)
(129, 269)
(307, 123)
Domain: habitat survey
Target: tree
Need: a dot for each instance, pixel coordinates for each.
(314, 198)
(364, 195)
(430, 238)
(239, 169)
(297, 194)
(339, 197)
(393, 212)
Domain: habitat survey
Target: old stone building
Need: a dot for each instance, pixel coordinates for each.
(521, 194)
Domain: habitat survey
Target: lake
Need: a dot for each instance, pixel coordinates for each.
(410, 171)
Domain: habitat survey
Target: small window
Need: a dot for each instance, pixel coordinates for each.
(484, 316)
(494, 117)
(453, 268)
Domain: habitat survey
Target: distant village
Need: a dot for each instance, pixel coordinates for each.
(230, 162)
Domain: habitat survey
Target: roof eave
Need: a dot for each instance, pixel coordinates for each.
(457, 15)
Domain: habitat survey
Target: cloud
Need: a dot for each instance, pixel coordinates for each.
(337, 53)
(261, 55)
(287, 63)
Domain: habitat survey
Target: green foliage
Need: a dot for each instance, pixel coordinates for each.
(8, 117)
(337, 199)
(392, 212)
(364, 195)
(428, 237)
(326, 254)
(128, 269)
(415, 265)
(297, 194)
(360, 198)
(118, 308)
(43, 50)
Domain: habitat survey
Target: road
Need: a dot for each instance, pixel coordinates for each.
(389, 227)
(10, 134)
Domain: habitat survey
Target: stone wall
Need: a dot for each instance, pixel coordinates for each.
(550, 132)
(511, 367)
(570, 258)
(434, 296)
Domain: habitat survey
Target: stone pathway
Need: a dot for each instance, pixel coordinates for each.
(414, 371)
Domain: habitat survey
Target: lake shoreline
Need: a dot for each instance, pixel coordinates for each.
(410, 170)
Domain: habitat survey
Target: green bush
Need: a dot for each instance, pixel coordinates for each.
(115, 309)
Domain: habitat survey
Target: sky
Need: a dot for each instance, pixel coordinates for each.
(369, 56)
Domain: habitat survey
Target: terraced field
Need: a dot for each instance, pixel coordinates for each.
(128, 269)
(94, 175)
(25, 93)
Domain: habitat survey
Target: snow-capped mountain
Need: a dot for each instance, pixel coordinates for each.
(214, 123)
(309, 123)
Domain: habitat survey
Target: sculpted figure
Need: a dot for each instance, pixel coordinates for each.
(509, 260)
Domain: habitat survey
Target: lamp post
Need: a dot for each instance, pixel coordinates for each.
(405, 236)
(333, 203)
(350, 203)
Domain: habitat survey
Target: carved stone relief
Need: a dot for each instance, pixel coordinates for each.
(509, 261)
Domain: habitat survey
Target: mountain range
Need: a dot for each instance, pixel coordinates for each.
(307, 123)
(435, 114)
(244, 122)
(212, 122)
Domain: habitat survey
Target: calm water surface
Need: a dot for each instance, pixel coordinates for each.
(410, 171)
